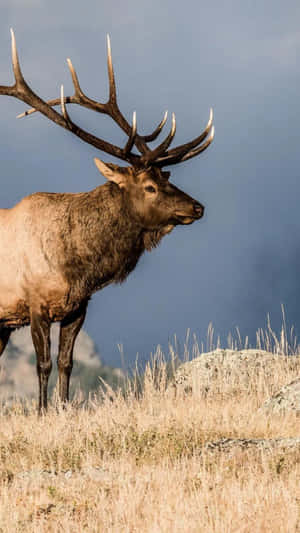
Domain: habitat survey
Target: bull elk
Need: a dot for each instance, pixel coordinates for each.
(56, 249)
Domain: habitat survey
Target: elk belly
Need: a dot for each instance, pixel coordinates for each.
(14, 312)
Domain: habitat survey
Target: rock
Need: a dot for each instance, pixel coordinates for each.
(224, 371)
(235, 445)
(287, 399)
(35, 474)
(96, 474)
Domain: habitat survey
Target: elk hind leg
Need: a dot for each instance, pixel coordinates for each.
(4, 337)
(69, 329)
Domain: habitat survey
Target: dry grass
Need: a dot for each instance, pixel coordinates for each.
(138, 463)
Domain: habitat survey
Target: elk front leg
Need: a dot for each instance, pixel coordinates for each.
(69, 329)
(40, 332)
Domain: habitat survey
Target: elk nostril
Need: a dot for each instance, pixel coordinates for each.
(199, 209)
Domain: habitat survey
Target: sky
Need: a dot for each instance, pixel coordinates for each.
(242, 260)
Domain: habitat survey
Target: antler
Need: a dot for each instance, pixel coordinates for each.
(160, 156)
(23, 92)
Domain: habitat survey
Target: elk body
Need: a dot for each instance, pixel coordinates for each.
(56, 250)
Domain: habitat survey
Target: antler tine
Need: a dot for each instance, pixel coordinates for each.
(50, 103)
(23, 92)
(176, 154)
(200, 148)
(15, 59)
(192, 144)
(168, 160)
(76, 84)
(132, 136)
(63, 105)
(111, 75)
(79, 96)
(153, 155)
(154, 135)
(12, 90)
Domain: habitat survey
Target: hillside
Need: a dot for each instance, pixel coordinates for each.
(197, 455)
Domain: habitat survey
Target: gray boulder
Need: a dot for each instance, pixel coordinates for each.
(233, 446)
(223, 371)
(287, 399)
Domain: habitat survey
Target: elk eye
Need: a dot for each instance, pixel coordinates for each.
(150, 188)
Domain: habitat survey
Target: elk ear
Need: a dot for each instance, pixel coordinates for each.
(166, 175)
(110, 172)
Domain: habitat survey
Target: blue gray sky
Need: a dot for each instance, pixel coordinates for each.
(242, 260)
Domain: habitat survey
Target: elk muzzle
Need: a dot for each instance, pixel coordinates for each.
(188, 216)
(198, 210)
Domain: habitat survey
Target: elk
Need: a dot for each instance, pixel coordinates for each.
(57, 249)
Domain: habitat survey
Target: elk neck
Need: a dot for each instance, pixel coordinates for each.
(104, 241)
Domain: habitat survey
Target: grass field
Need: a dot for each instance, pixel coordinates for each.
(139, 463)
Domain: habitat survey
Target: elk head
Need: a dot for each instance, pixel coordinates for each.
(153, 200)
